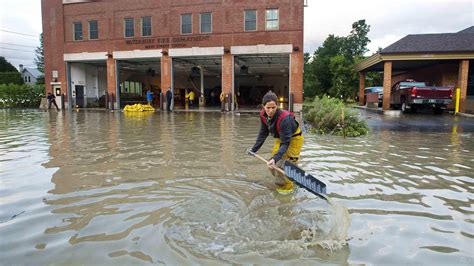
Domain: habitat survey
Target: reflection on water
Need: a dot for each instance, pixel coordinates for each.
(104, 188)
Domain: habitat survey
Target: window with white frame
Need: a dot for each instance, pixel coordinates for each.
(186, 24)
(272, 20)
(77, 31)
(146, 26)
(129, 24)
(250, 20)
(206, 22)
(131, 87)
(93, 30)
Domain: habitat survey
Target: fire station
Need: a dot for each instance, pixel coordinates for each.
(108, 53)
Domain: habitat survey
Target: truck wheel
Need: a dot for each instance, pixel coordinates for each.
(404, 106)
(438, 110)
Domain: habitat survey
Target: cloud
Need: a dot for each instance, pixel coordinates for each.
(21, 18)
(389, 20)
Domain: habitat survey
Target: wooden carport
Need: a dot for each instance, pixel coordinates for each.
(440, 59)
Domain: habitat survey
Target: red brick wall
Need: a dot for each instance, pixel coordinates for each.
(227, 27)
(439, 75)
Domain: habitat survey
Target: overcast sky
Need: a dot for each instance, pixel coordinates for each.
(389, 21)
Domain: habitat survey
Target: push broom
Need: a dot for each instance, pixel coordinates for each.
(300, 177)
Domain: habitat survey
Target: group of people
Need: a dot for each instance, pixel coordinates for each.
(190, 96)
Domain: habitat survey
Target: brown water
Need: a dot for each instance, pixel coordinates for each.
(110, 188)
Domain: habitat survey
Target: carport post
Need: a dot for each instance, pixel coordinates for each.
(361, 87)
(462, 83)
(387, 84)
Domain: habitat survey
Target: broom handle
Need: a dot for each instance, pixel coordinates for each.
(263, 159)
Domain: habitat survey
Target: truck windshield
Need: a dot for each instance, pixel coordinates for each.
(412, 84)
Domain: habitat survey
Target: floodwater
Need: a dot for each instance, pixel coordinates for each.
(111, 188)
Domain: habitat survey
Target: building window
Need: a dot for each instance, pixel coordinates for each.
(29, 79)
(77, 31)
(93, 30)
(250, 20)
(206, 22)
(129, 27)
(272, 20)
(131, 87)
(187, 24)
(146, 26)
(26, 79)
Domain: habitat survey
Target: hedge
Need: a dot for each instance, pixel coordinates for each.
(14, 95)
(10, 77)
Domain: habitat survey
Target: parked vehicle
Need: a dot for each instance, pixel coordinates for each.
(411, 95)
(378, 90)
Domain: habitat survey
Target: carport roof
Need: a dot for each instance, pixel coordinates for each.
(424, 47)
(432, 43)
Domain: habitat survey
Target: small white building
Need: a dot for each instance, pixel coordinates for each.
(30, 75)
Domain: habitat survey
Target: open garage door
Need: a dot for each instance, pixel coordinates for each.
(255, 75)
(136, 76)
(199, 75)
(88, 84)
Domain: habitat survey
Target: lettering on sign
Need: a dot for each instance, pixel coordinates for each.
(167, 42)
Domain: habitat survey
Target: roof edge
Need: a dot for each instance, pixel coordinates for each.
(372, 60)
(377, 58)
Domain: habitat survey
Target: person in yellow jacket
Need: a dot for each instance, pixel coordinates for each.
(190, 96)
(283, 126)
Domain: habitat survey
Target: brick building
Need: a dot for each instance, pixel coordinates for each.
(107, 53)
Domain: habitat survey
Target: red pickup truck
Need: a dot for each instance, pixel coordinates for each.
(411, 95)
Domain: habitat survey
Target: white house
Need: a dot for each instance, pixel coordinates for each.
(30, 75)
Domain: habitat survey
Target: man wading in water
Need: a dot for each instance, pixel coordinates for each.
(285, 129)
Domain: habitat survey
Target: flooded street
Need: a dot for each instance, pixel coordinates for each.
(113, 188)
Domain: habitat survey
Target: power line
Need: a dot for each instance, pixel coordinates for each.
(17, 44)
(17, 58)
(17, 49)
(20, 33)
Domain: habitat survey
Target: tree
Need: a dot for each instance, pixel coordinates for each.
(5, 66)
(39, 59)
(317, 71)
(331, 70)
(356, 42)
(344, 82)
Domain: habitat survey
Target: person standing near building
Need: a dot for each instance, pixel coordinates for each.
(169, 99)
(149, 97)
(52, 100)
(190, 96)
(283, 126)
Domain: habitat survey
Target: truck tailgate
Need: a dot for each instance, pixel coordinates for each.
(433, 93)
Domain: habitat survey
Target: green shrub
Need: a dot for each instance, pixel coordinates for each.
(326, 115)
(14, 95)
(10, 77)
